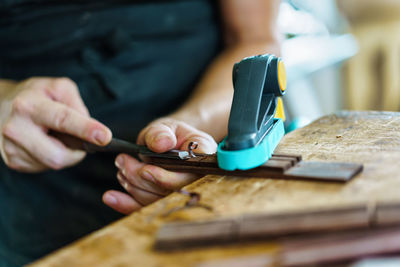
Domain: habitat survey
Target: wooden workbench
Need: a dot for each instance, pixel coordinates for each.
(370, 138)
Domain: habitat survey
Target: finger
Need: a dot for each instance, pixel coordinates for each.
(159, 134)
(18, 158)
(141, 196)
(11, 149)
(205, 145)
(186, 134)
(67, 120)
(21, 165)
(120, 202)
(131, 169)
(47, 150)
(167, 179)
(66, 91)
(158, 137)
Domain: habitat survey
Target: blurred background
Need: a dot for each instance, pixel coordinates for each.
(340, 54)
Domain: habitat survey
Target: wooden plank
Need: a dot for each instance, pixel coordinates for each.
(386, 214)
(180, 235)
(293, 158)
(342, 247)
(292, 161)
(280, 166)
(261, 260)
(329, 171)
(296, 157)
(201, 160)
(191, 235)
(323, 250)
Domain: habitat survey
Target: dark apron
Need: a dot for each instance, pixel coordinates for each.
(133, 62)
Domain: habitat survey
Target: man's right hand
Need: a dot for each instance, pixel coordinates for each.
(30, 110)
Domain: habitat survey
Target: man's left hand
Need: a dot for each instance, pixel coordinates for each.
(146, 183)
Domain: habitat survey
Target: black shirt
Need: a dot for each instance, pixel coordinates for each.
(133, 61)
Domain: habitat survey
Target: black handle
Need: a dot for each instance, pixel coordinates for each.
(121, 146)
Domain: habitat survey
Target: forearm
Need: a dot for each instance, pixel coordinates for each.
(209, 106)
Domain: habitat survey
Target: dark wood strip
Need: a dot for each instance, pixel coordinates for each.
(264, 226)
(259, 260)
(278, 167)
(293, 161)
(339, 249)
(282, 163)
(331, 171)
(344, 246)
(279, 164)
(303, 222)
(178, 236)
(386, 214)
(272, 173)
(297, 157)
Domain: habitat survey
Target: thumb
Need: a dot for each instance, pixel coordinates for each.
(187, 134)
(205, 143)
(166, 134)
(158, 137)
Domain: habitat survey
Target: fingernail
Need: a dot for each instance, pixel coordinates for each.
(207, 147)
(100, 136)
(161, 137)
(119, 162)
(148, 176)
(110, 199)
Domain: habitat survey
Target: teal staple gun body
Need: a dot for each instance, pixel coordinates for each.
(256, 119)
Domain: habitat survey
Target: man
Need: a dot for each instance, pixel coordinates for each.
(130, 65)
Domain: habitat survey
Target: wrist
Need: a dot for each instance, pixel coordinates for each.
(6, 87)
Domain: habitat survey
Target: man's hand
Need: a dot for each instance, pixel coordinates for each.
(147, 183)
(30, 110)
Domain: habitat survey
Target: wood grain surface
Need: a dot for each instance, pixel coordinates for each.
(370, 138)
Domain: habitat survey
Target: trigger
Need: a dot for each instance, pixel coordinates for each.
(280, 111)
